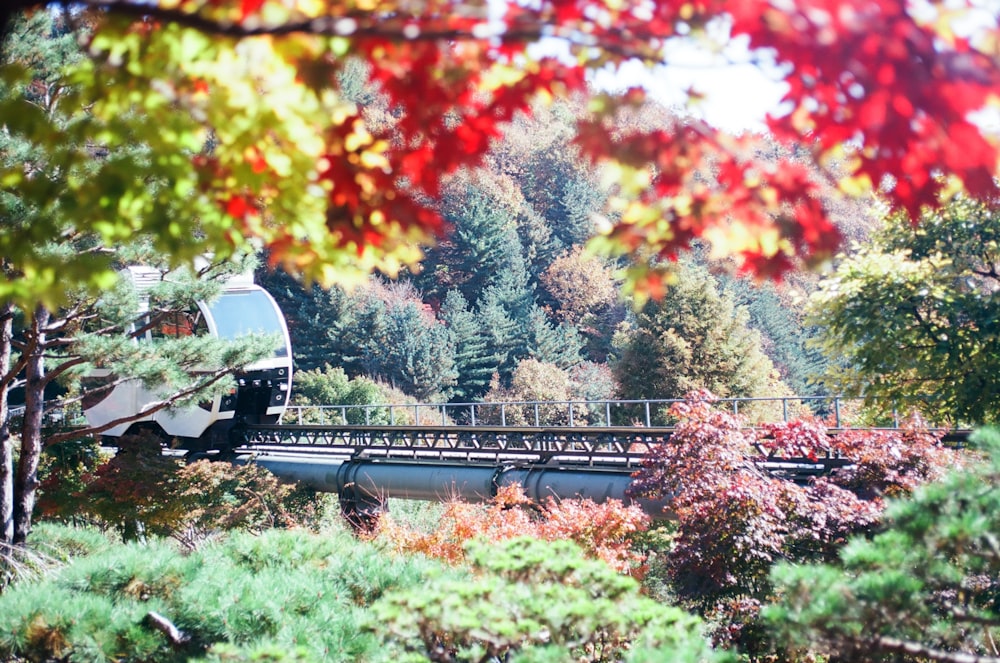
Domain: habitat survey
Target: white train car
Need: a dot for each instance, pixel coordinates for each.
(262, 388)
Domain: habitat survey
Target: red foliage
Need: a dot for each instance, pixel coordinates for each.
(734, 520)
(896, 88)
(892, 463)
(605, 530)
(802, 438)
(867, 70)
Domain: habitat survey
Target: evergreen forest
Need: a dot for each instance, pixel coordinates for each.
(514, 290)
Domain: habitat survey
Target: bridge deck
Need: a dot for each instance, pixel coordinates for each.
(620, 449)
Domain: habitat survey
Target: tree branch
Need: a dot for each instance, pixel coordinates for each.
(896, 645)
(150, 408)
(176, 636)
(361, 25)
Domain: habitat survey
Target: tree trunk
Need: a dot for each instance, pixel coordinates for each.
(6, 449)
(26, 486)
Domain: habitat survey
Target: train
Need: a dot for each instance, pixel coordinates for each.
(262, 388)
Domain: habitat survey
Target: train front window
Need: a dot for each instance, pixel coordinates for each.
(240, 313)
(179, 323)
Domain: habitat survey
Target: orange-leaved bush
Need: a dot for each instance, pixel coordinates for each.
(604, 530)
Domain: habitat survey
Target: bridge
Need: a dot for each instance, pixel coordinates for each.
(468, 451)
(438, 451)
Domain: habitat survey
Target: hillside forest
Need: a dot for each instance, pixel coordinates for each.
(511, 304)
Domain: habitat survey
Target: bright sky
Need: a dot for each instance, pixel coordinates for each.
(736, 94)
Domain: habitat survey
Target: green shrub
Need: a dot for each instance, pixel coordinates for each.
(282, 596)
(331, 386)
(132, 571)
(51, 545)
(530, 600)
(63, 542)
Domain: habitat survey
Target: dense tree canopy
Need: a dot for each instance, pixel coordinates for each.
(254, 129)
(914, 319)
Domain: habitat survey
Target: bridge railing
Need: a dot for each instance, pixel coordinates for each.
(55, 415)
(571, 413)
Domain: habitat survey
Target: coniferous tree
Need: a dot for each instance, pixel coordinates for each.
(65, 345)
(557, 188)
(419, 356)
(505, 309)
(475, 362)
(541, 246)
(360, 333)
(695, 338)
(62, 339)
(788, 340)
(505, 335)
(384, 331)
(559, 345)
(479, 248)
(310, 313)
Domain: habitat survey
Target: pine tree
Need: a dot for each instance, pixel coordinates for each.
(695, 338)
(360, 332)
(310, 312)
(384, 331)
(419, 356)
(505, 309)
(479, 248)
(475, 362)
(788, 340)
(60, 342)
(559, 345)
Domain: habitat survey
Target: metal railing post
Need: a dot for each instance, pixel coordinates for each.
(503, 414)
(473, 408)
(836, 411)
(571, 414)
(784, 410)
(648, 418)
(537, 424)
(607, 413)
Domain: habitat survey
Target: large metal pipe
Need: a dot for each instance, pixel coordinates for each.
(599, 485)
(373, 480)
(427, 480)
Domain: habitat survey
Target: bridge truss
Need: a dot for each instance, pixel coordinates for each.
(608, 448)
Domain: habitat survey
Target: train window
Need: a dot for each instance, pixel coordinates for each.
(251, 312)
(180, 323)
